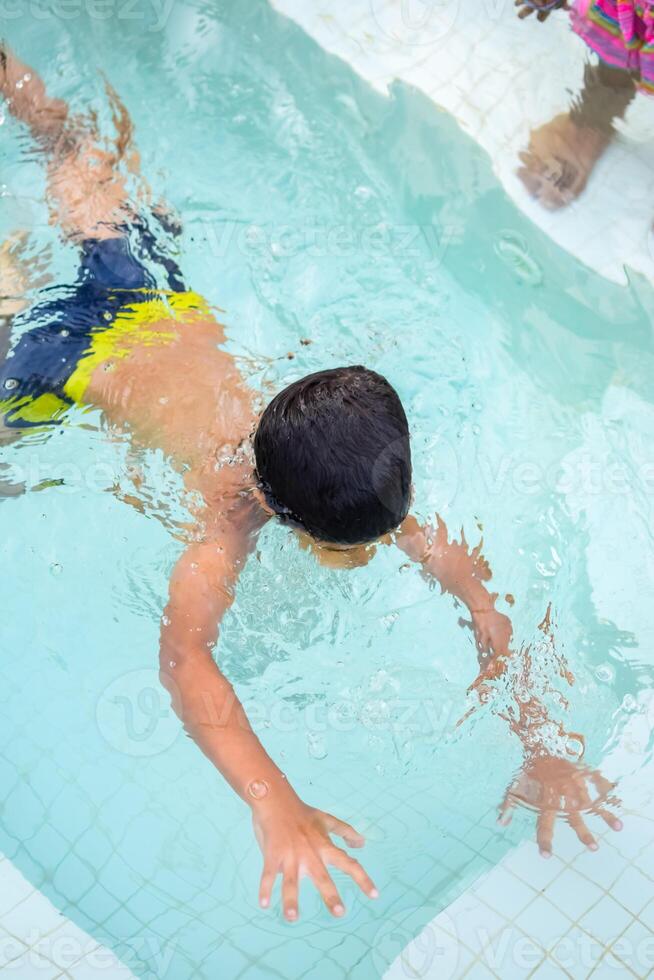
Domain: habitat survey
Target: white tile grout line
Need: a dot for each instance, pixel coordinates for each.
(53, 946)
(477, 63)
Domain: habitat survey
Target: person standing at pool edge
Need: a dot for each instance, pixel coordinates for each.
(331, 460)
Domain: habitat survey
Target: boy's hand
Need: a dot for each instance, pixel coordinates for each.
(542, 8)
(556, 787)
(295, 842)
(493, 632)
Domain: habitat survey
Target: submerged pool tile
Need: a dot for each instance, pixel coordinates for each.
(504, 892)
(602, 867)
(479, 971)
(30, 966)
(49, 847)
(633, 890)
(415, 945)
(457, 855)
(99, 906)
(73, 813)
(14, 888)
(549, 970)
(545, 923)
(635, 948)
(635, 839)
(98, 965)
(512, 954)
(11, 948)
(577, 953)
(645, 861)
(610, 968)
(66, 945)
(73, 878)
(573, 894)
(527, 864)
(33, 918)
(224, 960)
(475, 922)
(606, 920)
(647, 916)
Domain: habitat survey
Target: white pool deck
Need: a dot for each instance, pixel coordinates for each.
(500, 77)
(577, 914)
(37, 942)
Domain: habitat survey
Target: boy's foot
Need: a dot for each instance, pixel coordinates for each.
(559, 160)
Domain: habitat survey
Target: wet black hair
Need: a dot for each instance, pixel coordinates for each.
(333, 455)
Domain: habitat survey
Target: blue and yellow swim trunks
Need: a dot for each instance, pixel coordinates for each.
(116, 294)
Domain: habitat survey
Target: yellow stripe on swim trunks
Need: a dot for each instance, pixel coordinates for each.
(130, 324)
(43, 408)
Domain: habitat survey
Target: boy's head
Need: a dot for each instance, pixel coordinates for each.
(333, 456)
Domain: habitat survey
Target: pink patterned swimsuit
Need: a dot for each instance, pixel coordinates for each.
(621, 32)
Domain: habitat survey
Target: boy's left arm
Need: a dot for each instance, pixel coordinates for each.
(549, 784)
(462, 573)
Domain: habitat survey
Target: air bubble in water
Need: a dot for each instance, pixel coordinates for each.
(605, 673)
(513, 249)
(258, 788)
(574, 747)
(389, 620)
(317, 746)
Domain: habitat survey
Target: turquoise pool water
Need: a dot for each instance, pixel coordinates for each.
(314, 209)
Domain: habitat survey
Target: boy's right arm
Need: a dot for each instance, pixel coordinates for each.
(294, 837)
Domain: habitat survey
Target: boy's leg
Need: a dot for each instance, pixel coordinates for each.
(86, 191)
(605, 97)
(563, 152)
(28, 100)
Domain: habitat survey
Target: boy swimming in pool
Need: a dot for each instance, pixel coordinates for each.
(330, 457)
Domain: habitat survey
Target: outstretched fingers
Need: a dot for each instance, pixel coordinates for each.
(335, 826)
(328, 890)
(603, 785)
(290, 893)
(578, 824)
(266, 886)
(545, 832)
(609, 818)
(506, 808)
(339, 859)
